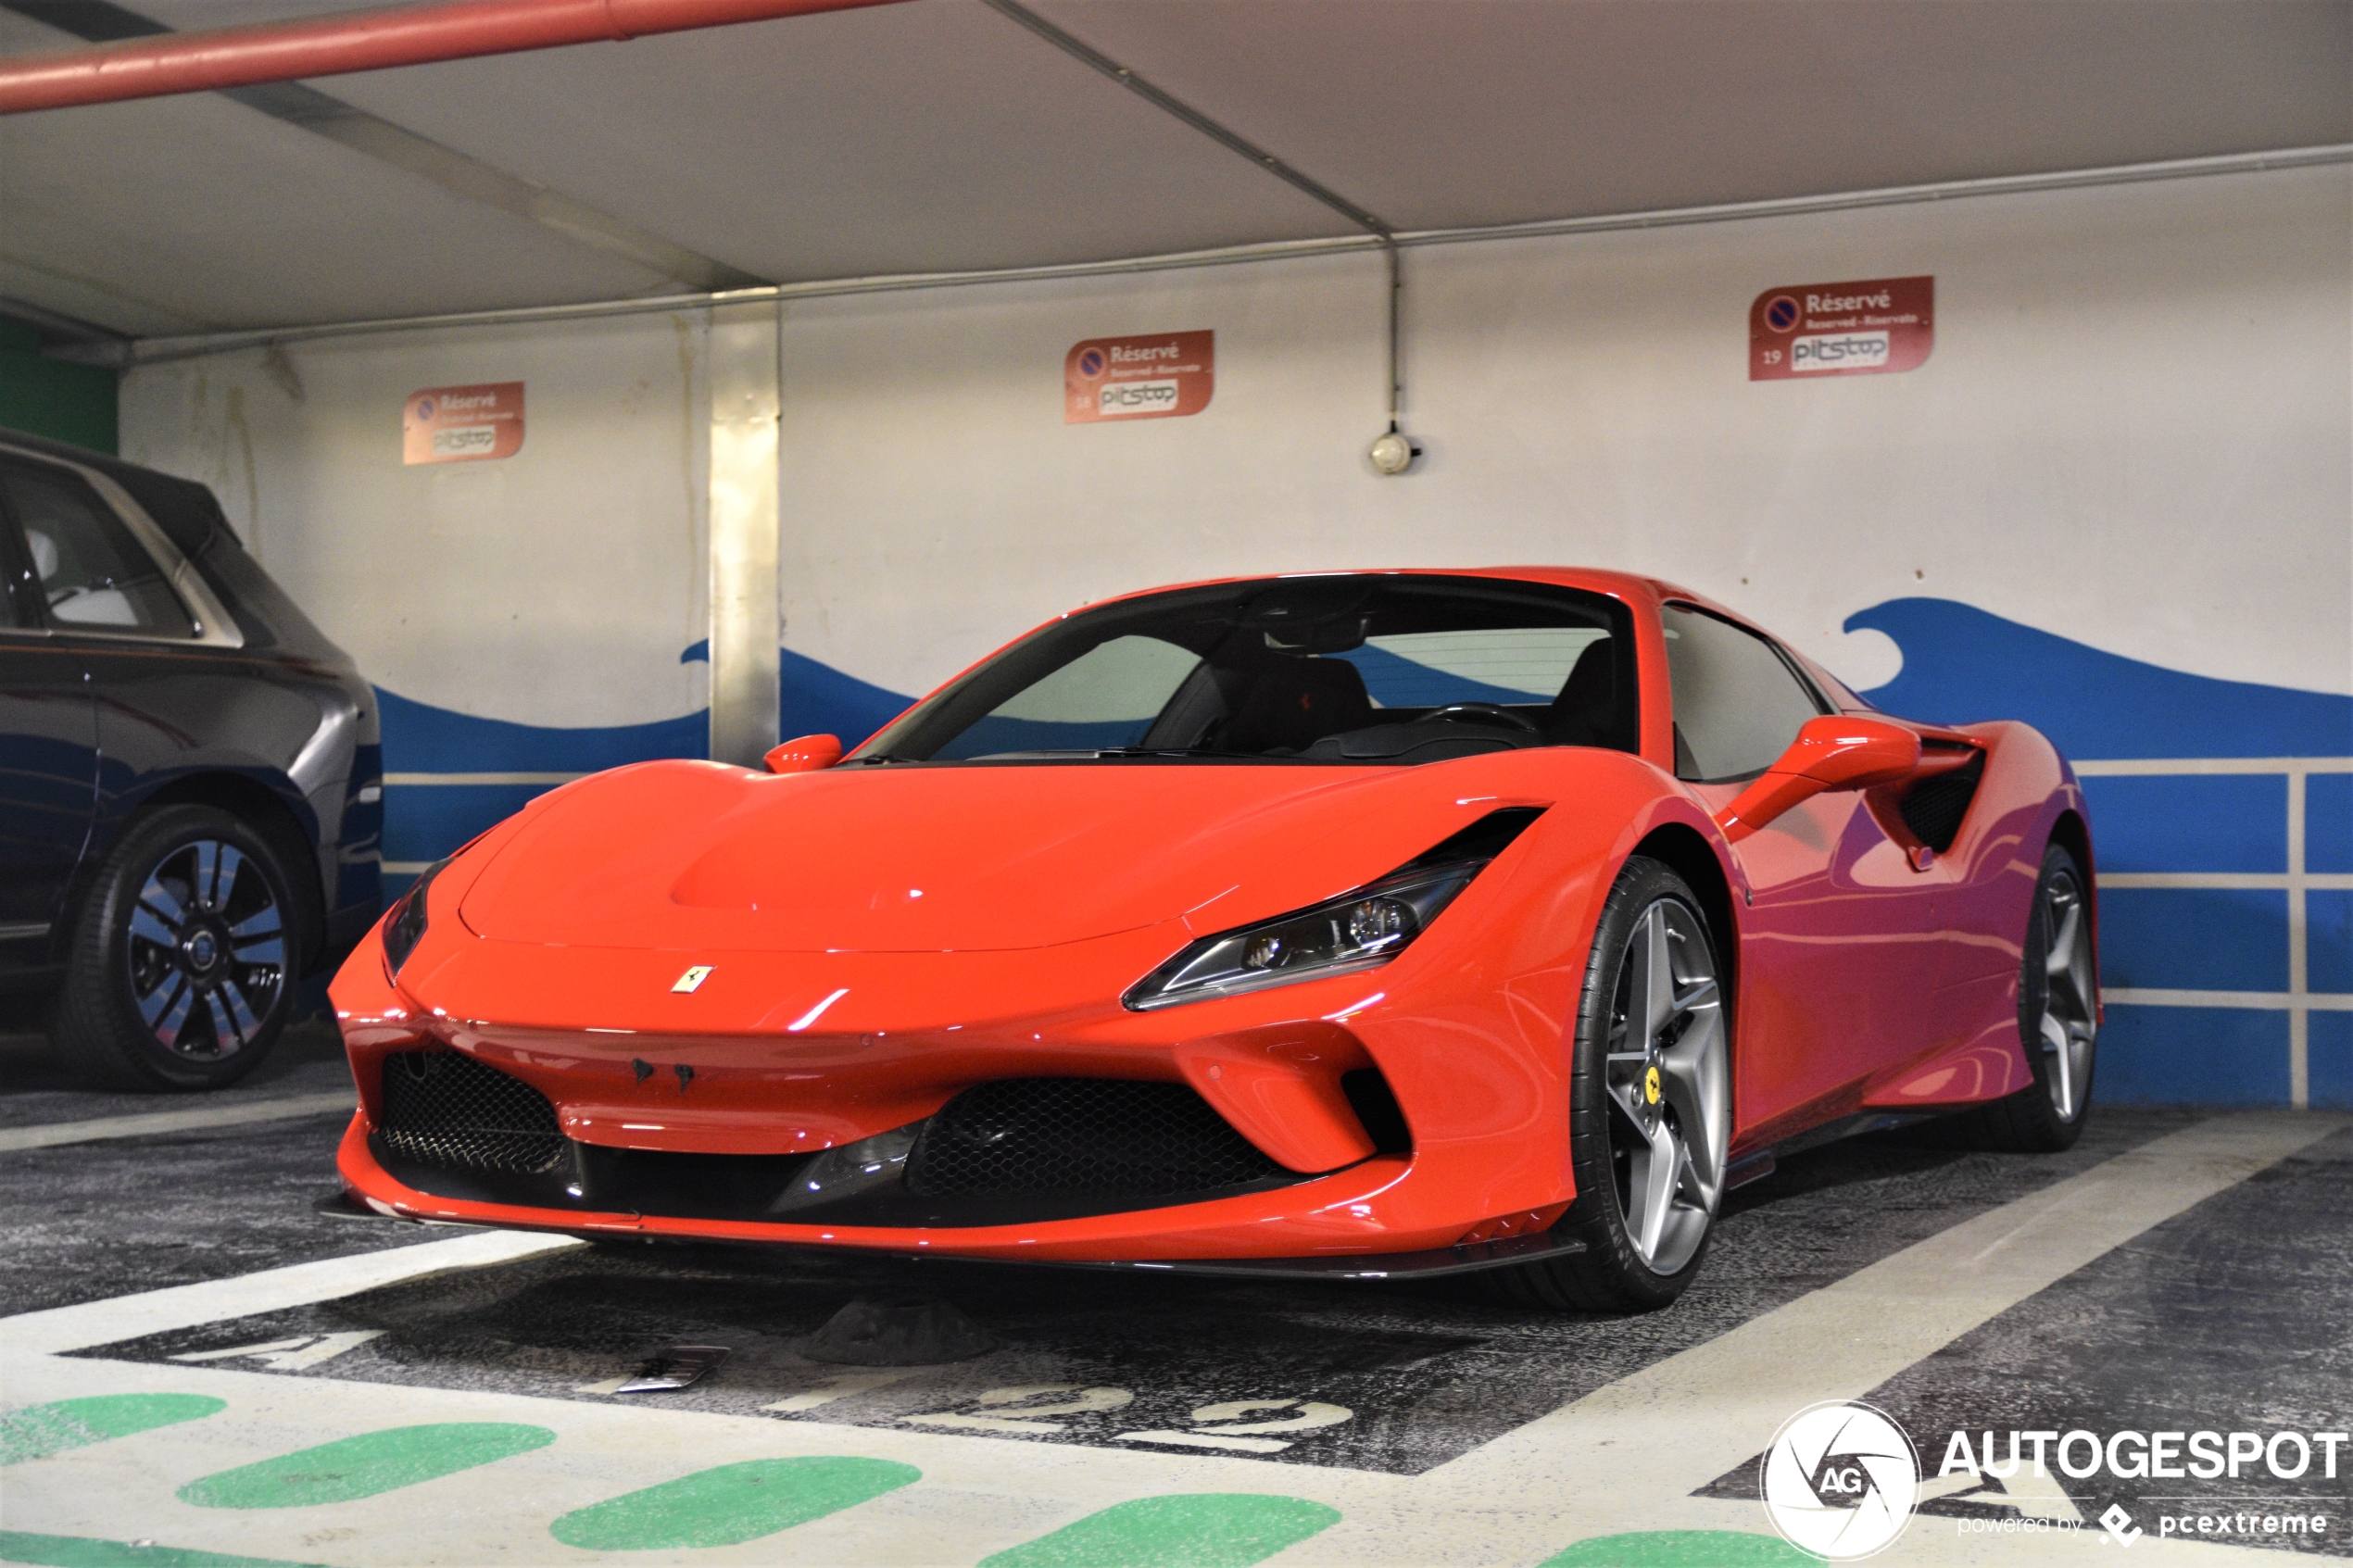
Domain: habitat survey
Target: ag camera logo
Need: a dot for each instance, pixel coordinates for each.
(1841, 1480)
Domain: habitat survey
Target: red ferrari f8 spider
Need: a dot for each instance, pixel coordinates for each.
(1357, 924)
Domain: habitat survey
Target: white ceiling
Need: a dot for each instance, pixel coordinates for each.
(941, 135)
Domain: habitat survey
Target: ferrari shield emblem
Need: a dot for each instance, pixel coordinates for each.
(693, 977)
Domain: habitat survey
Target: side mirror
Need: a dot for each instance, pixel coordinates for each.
(805, 755)
(1838, 752)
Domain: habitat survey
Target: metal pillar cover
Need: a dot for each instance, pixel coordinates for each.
(747, 625)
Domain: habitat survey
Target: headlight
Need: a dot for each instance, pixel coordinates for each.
(406, 926)
(1359, 930)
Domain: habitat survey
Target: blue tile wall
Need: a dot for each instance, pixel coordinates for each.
(2214, 822)
(2328, 934)
(2328, 822)
(2331, 1060)
(2202, 1055)
(2193, 938)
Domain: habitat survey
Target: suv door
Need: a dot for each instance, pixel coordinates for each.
(48, 755)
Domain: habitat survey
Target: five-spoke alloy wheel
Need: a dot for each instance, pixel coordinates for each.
(2070, 1000)
(1649, 1106)
(1669, 1089)
(2058, 1020)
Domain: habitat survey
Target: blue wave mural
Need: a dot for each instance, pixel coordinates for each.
(1960, 664)
(814, 698)
(423, 823)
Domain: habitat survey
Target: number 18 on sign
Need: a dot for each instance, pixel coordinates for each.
(1138, 378)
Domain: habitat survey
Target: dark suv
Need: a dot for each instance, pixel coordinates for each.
(190, 783)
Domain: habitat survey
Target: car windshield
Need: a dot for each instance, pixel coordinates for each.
(1392, 668)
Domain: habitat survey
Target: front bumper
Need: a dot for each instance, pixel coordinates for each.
(1476, 1072)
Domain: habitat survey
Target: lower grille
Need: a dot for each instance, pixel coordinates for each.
(444, 1108)
(1028, 1136)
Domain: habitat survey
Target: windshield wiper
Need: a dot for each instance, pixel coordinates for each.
(1167, 751)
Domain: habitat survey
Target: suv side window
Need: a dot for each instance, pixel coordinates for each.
(1738, 704)
(16, 595)
(90, 572)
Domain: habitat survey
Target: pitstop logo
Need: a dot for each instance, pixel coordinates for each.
(1840, 1480)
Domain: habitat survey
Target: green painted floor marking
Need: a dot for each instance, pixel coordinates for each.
(38, 1431)
(365, 1465)
(1189, 1530)
(81, 1552)
(1683, 1549)
(730, 1504)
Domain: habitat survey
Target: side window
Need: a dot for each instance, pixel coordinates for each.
(1738, 704)
(16, 583)
(90, 571)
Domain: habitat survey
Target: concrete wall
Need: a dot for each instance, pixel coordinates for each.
(2115, 501)
(2134, 423)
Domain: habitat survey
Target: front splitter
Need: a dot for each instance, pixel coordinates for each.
(1434, 1264)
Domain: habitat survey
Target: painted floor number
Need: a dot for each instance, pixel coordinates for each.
(1227, 1426)
(1024, 1417)
(1219, 1429)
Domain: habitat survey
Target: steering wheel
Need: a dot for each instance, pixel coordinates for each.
(1478, 713)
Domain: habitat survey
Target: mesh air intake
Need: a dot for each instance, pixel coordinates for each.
(446, 1109)
(1034, 1137)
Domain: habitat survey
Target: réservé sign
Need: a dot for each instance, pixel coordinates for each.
(1873, 327)
(1138, 378)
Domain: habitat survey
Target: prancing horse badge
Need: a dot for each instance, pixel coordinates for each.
(693, 977)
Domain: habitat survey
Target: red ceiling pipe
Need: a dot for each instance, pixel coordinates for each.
(332, 46)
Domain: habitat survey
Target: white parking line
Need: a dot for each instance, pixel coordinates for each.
(143, 1123)
(1635, 1449)
(298, 1284)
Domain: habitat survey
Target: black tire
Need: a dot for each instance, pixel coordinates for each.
(1612, 1274)
(2034, 1120)
(216, 974)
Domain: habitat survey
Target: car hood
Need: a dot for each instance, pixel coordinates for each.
(952, 858)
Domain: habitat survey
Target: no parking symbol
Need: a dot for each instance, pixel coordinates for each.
(1138, 378)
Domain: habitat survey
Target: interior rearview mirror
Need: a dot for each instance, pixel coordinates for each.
(1838, 752)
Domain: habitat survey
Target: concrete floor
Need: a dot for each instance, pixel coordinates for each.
(2175, 1271)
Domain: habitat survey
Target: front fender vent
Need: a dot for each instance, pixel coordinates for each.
(444, 1108)
(1038, 1136)
(1933, 808)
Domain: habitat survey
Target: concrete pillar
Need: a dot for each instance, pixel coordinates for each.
(747, 625)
